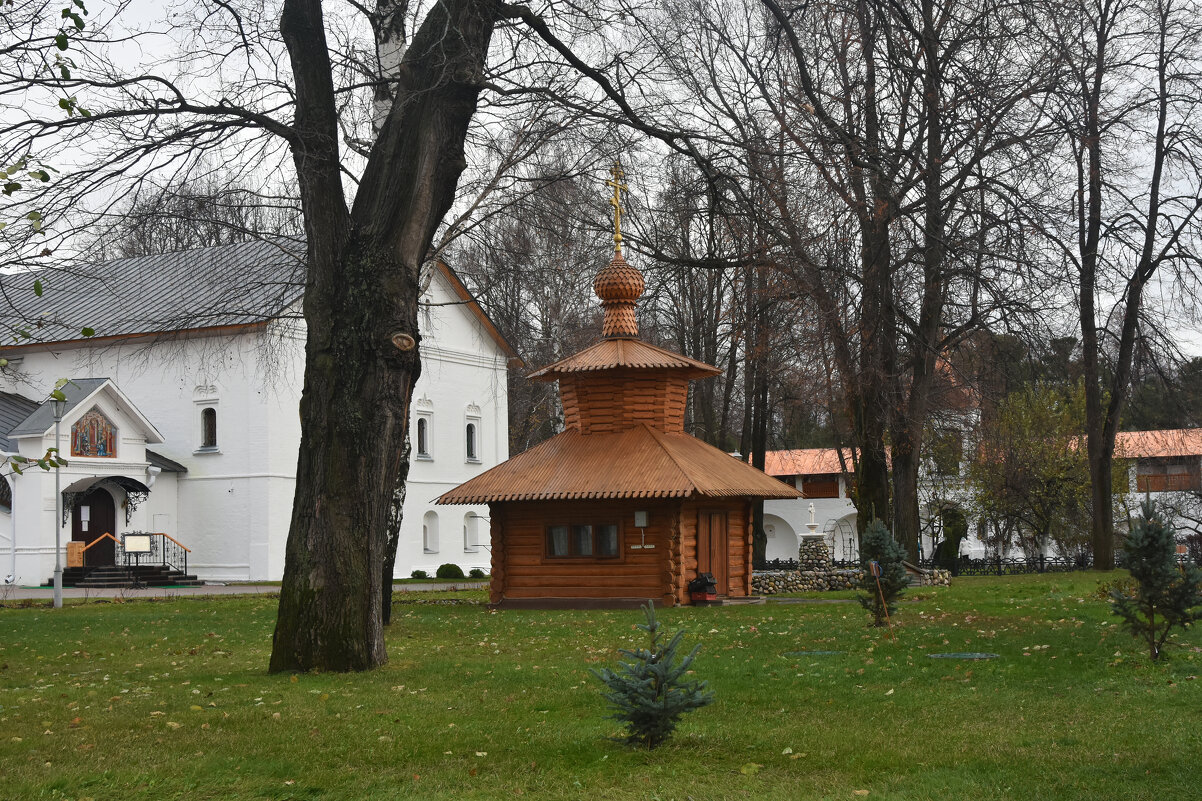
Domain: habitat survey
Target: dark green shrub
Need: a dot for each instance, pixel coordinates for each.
(476, 572)
(449, 571)
(648, 693)
(1166, 595)
(877, 545)
(419, 574)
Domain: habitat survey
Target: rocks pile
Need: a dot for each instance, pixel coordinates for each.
(771, 582)
(816, 574)
(813, 556)
(936, 577)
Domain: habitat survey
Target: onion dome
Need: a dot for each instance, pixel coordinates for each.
(619, 286)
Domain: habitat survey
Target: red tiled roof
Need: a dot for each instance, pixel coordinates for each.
(1158, 444)
(612, 354)
(805, 462)
(639, 462)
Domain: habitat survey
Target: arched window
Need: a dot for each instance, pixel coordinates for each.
(430, 532)
(471, 443)
(423, 437)
(471, 539)
(208, 427)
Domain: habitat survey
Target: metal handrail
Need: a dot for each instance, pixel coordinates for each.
(165, 550)
(173, 539)
(98, 539)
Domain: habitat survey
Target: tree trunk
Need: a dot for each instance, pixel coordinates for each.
(354, 420)
(905, 495)
(396, 510)
(360, 308)
(912, 411)
(759, 450)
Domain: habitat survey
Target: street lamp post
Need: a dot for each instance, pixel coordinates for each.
(59, 406)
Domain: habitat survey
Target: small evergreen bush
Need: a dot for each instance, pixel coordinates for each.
(449, 571)
(877, 545)
(476, 572)
(1166, 595)
(648, 693)
(419, 574)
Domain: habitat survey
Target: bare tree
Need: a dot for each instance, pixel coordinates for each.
(1129, 112)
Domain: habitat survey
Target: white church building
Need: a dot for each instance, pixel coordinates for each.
(182, 413)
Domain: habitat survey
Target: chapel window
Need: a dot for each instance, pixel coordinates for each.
(471, 443)
(423, 437)
(208, 428)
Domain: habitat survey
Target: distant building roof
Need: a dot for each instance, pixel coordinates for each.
(247, 283)
(805, 462)
(640, 462)
(1166, 443)
(1158, 444)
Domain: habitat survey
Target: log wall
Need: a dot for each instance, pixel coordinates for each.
(522, 568)
(618, 400)
(738, 545)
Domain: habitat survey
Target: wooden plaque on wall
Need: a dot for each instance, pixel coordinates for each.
(75, 553)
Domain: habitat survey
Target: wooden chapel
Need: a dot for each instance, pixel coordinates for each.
(622, 506)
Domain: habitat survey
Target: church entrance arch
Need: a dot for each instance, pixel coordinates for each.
(94, 515)
(782, 539)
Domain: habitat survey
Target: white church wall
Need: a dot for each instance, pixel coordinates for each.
(233, 506)
(34, 492)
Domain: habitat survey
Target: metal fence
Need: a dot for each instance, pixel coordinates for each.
(984, 566)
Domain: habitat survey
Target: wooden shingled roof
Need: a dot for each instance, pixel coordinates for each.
(614, 354)
(640, 462)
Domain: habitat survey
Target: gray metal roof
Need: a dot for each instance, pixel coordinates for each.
(248, 282)
(163, 463)
(13, 409)
(42, 418)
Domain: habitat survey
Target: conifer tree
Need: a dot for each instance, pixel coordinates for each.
(648, 693)
(878, 545)
(1166, 595)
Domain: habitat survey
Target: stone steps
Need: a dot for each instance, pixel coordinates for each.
(117, 577)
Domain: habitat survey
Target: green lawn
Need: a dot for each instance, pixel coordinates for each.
(169, 699)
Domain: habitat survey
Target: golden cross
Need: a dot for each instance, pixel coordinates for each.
(616, 202)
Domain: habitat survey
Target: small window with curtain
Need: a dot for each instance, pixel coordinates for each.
(583, 541)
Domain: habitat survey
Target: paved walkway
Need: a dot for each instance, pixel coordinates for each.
(18, 593)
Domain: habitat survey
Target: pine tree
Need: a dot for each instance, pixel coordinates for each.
(878, 545)
(648, 693)
(1166, 595)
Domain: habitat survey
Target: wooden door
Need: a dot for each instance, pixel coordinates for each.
(712, 550)
(101, 517)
